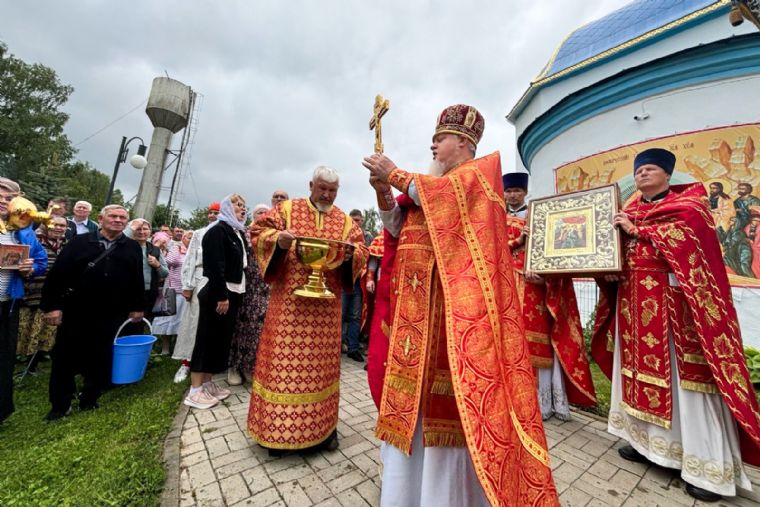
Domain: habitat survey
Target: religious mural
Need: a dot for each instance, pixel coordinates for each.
(726, 160)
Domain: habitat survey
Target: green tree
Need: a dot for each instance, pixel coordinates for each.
(31, 122)
(161, 216)
(372, 222)
(198, 218)
(82, 182)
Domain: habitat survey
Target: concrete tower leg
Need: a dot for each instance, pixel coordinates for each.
(150, 185)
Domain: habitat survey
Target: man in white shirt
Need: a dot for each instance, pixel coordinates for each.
(80, 223)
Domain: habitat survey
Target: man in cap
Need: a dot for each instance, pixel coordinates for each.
(459, 416)
(294, 392)
(550, 315)
(192, 282)
(667, 335)
(12, 290)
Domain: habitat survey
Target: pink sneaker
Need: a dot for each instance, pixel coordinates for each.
(201, 400)
(217, 392)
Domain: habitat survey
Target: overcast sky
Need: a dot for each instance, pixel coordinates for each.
(289, 85)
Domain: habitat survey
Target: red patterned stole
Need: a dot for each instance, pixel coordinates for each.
(677, 236)
(491, 375)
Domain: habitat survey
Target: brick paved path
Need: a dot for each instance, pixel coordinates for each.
(211, 461)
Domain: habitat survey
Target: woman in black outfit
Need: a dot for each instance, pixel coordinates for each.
(224, 259)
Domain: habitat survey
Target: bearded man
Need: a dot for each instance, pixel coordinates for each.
(458, 416)
(721, 208)
(743, 203)
(550, 315)
(668, 336)
(295, 389)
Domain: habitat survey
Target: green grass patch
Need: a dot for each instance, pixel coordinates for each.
(108, 456)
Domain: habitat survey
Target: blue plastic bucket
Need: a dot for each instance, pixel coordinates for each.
(130, 355)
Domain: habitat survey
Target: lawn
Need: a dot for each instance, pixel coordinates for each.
(109, 456)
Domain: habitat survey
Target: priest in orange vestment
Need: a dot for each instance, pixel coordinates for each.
(295, 388)
(459, 415)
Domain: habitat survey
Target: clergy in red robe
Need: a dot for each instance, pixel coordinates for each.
(667, 334)
(295, 389)
(550, 315)
(459, 416)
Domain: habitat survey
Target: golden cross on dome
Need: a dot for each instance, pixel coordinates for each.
(381, 107)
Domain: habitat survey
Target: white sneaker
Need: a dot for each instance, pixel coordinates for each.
(217, 392)
(233, 377)
(181, 374)
(201, 400)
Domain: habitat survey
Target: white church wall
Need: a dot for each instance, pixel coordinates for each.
(714, 104)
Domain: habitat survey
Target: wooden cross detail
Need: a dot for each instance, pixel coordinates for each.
(381, 107)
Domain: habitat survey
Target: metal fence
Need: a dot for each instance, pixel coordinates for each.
(587, 294)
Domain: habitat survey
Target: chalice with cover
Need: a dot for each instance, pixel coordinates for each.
(320, 255)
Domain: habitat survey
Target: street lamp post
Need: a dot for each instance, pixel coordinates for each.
(137, 161)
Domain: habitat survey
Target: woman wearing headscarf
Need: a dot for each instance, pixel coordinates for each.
(250, 321)
(34, 336)
(168, 326)
(224, 262)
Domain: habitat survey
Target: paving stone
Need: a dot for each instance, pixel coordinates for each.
(316, 490)
(190, 436)
(291, 474)
(359, 448)
(217, 447)
(369, 492)
(233, 457)
(599, 489)
(257, 479)
(234, 489)
(203, 416)
(346, 481)
(192, 459)
(265, 498)
(605, 470)
(209, 495)
(201, 474)
(186, 450)
(293, 495)
(574, 497)
(282, 463)
(236, 467)
(674, 496)
(220, 464)
(351, 498)
(567, 472)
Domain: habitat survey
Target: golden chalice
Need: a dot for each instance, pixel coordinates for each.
(320, 255)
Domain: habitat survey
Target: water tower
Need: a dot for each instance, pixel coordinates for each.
(168, 109)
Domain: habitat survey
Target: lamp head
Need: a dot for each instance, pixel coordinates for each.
(139, 161)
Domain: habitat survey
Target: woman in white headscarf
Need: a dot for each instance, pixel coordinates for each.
(224, 261)
(245, 338)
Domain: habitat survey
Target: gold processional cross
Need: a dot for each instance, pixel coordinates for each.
(381, 107)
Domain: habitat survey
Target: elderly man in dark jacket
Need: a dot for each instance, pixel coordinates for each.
(94, 286)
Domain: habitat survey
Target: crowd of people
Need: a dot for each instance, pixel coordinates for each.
(468, 352)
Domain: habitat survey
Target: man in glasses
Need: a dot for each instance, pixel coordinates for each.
(11, 290)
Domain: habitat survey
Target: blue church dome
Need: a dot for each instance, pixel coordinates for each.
(639, 22)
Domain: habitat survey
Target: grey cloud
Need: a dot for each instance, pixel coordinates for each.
(290, 85)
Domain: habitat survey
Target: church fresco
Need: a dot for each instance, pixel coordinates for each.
(726, 160)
